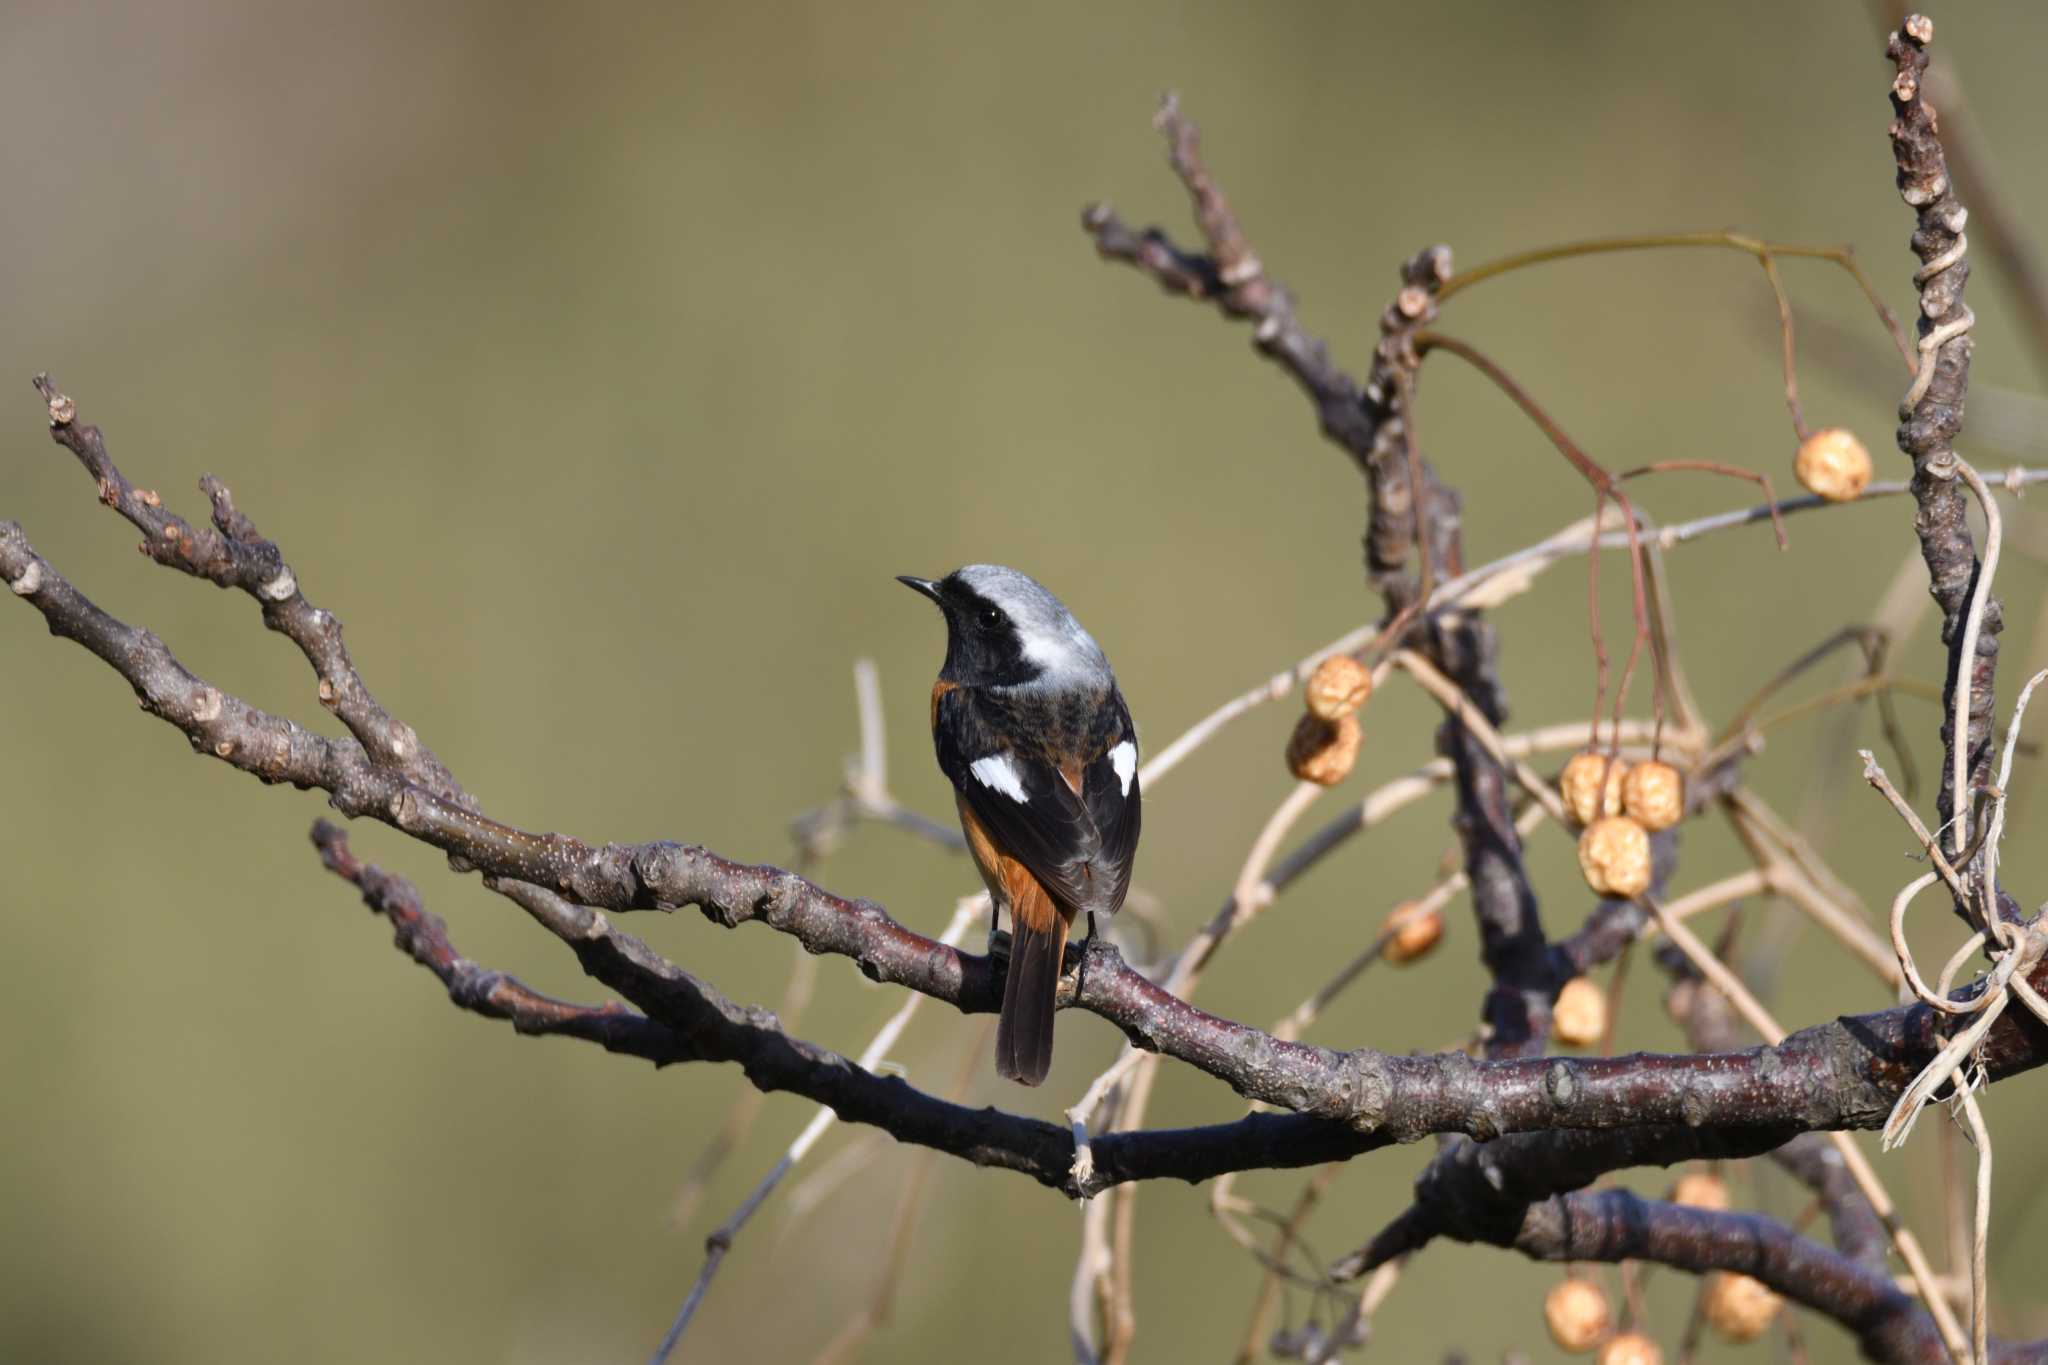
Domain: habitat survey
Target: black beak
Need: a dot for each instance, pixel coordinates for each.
(923, 585)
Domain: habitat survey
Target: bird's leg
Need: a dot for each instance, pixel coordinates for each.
(1087, 946)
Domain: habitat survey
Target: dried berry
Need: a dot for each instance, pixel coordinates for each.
(1614, 853)
(1579, 1018)
(1581, 781)
(1409, 931)
(1631, 1348)
(1701, 1190)
(1653, 794)
(1833, 464)
(1338, 687)
(1322, 751)
(1739, 1308)
(1577, 1314)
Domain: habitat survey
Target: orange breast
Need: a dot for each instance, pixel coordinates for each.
(1008, 880)
(939, 689)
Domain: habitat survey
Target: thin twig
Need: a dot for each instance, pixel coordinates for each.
(969, 911)
(1760, 1019)
(1842, 256)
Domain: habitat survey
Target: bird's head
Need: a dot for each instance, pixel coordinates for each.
(1003, 629)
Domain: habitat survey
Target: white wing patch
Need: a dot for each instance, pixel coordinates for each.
(1124, 758)
(998, 773)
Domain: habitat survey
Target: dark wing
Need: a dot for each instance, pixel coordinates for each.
(1029, 811)
(1109, 790)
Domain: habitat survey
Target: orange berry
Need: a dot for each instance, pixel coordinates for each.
(1410, 931)
(1653, 794)
(1833, 464)
(1581, 781)
(1701, 1190)
(1579, 1018)
(1631, 1348)
(1614, 854)
(1338, 687)
(1739, 1308)
(1577, 1314)
(1323, 752)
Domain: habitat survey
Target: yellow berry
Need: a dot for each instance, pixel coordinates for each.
(1410, 931)
(1579, 1018)
(1702, 1191)
(1653, 794)
(1577, 1315)
(1614, 853)
(1581, 782)
(1740, 1309)
(1323, 752)
(1338, 687)
(1631, 1348)
(1833, 464)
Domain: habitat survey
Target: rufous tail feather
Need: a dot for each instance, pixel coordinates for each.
(1038, 943)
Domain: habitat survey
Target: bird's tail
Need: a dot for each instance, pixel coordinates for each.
(1038, 944)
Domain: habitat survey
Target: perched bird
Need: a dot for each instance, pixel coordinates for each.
(1039, 746)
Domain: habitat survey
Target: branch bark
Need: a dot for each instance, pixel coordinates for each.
(1616, 1225)
(1528, 1132)
(1931, 416)
(1843, 1074)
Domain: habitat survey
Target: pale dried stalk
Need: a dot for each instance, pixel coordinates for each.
(1251, 1346)
(1758, 1018)
(1980, 1241)
(966, 913)
(1378, 1286)
(1377, 806)
(1799, 875)
(1224, 1205)
(1453, 699)
(1091, 1270)
(1760, 822)
(2018, 951)
(739, 1120)
(1973, 622)
(1524, 564)
(1274, 688)
(874, 1313)
(1253, 893)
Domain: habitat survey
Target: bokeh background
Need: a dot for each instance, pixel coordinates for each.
(599, 366)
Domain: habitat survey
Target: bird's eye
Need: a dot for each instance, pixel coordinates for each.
(989, 618)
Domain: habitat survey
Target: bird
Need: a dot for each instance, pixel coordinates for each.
(1034, 735)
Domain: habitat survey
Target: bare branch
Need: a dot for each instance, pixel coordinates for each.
(1615, 1225)
(1931, 415)
(1841, 1074)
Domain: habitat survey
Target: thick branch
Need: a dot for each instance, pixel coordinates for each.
(424, 938)
(1365, 420)
(1842, 1074)
(231, 553)
(1932, 416)
(1615, 1225)
(1516, 1012)
(1813, 1160)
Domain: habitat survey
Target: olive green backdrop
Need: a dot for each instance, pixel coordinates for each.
(599, 366)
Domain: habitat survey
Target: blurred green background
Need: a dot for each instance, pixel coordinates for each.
(599, 366)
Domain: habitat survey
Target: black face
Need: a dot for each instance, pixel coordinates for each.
(982, 645)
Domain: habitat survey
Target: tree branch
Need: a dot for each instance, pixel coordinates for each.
(1842, 1074)
(1616, 1225)
(1932, 414)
